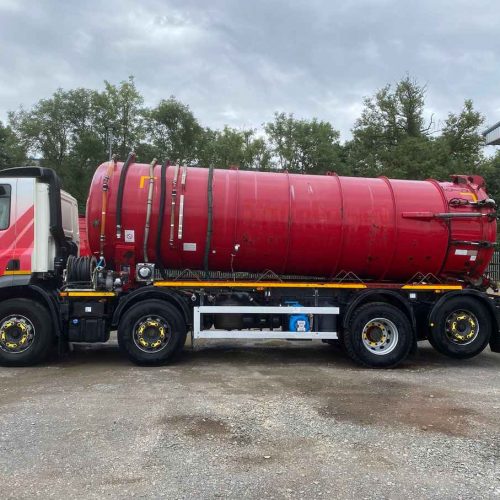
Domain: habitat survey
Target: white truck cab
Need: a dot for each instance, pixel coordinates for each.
(38, 224)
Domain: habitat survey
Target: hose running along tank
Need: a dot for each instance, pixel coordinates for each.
(232, 220)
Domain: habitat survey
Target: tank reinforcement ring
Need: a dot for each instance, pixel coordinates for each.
(462, 327)
(380, 336)
(151, 334)
(16, 334)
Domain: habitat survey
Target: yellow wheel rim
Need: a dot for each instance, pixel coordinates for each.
(17, 334)
(151, 334)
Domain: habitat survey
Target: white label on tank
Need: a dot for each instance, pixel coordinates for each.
(459, 251)
(189, 247)
(129, 235)
(473, 257)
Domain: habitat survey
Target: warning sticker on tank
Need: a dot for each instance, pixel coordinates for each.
(189, 247)
(129, 235)
(461, 251)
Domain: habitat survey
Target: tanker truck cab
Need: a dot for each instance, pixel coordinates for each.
(165, 243)
(38, 231)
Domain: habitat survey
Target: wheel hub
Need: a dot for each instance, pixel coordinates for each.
(16, 334)
(375, 334)
(380, 336)
(462, 327)
(151, 334)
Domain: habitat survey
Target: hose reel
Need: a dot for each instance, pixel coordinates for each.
(80, 269)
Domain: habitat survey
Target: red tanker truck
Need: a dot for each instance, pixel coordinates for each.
(373, 265)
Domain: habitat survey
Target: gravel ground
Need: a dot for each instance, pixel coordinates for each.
(232, 420)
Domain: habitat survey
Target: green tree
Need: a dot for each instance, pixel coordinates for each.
(231, 147)
(119, 109)
(12, 153)
(69, 130)
(391, 136)
(172, 132)
(463, 140)
(305, 146)
(61, 131)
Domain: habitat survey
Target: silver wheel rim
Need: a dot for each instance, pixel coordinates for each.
(151, 334)
(380, 336)
(462, 327)
(17, 334)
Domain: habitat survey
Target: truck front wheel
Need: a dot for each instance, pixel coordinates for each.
(152, 332)
(461, 328)
(26, 335)
(379, 335)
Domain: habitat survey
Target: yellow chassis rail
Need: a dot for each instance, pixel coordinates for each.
(278, 284)
(89, 293)
(254, 284)
(262, 285)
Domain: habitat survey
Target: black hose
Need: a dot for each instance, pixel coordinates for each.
(121, 186)
(161, 213)
(80, 269)
(208, 240)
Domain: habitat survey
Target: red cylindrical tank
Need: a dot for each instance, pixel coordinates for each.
(378, 229)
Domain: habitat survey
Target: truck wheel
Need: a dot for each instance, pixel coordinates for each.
(379, 335)
(26, 335)
(152, 332)
(461, 328)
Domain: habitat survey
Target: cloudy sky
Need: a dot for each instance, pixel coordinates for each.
(236, 62)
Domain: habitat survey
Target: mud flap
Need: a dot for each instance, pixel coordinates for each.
(495, 334)
(495, 342)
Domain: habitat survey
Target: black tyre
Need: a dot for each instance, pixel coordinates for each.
(26, 334)
(461, 328)
(152, 332)
(379, 335)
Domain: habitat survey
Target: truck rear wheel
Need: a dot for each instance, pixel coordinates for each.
(152, 332)
(26, 335)
(379, 335)
(461, 328)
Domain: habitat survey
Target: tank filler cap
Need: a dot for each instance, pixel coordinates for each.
(145, 272)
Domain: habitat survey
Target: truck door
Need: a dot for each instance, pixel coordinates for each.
(25, 226)
(16, 229)
(7, 229)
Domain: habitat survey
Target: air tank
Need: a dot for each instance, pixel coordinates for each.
(324, 226)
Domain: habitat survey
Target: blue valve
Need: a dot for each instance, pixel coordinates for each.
(298, 322)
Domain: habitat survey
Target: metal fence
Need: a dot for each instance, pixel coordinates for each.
(494, 267)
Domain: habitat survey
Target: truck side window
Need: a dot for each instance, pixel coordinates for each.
(4, 206)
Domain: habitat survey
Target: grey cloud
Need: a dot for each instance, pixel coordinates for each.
(236, 62)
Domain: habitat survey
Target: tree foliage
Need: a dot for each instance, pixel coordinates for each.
(12, 154)
(232, 148)
(463, 141)
(303, 146)
(391, 137)
(70, 132)
(172, 132)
